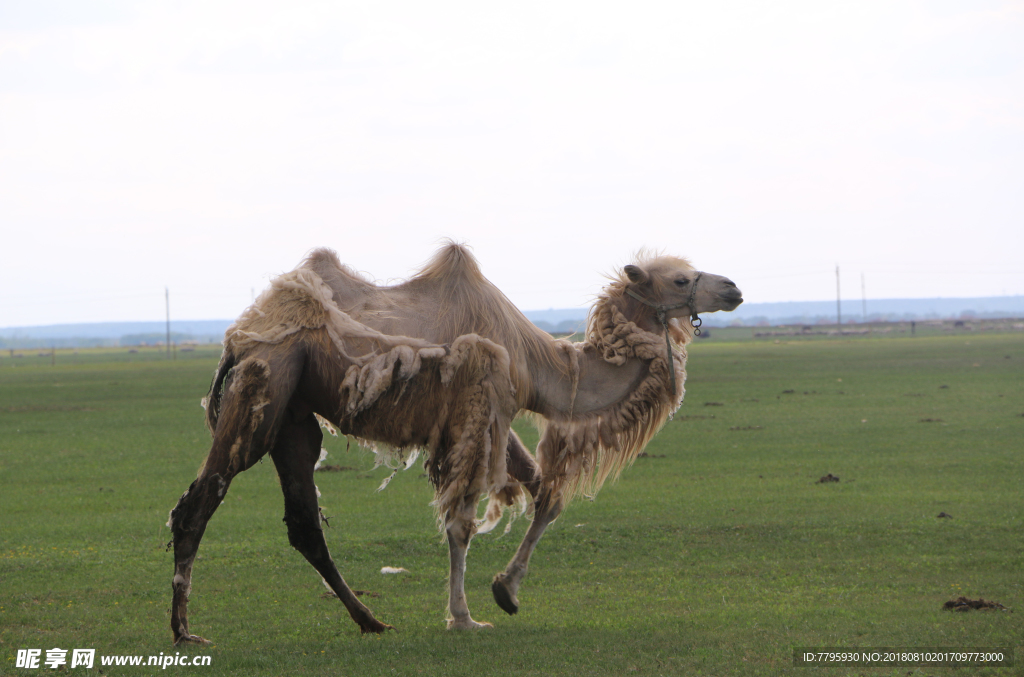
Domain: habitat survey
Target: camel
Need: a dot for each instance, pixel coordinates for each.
(440, 364)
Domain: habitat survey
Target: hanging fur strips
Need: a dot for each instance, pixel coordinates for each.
(578, 454)
(438, 365)
(384, 386)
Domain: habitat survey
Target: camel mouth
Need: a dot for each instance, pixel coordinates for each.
(733, 302)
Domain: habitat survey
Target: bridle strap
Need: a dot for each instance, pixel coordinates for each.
(661, 311)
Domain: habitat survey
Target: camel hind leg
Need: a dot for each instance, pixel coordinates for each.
(295, 455)
(245, 430)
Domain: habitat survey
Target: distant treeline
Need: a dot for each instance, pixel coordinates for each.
(151, 339)
(154, 338)
(818, 312)
(563, 327)
(20, 342)
(728, 320)
(555, 321)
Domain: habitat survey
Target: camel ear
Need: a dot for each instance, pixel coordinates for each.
(635, 274)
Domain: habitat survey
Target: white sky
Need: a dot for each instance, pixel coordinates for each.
(206, 146)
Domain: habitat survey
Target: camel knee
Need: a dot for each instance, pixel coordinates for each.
(196, 506)
(460, 527)
(461, 532)
(461, 517)
(176, 517)
(182, 581)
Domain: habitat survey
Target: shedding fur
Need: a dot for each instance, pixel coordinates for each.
(578, 454)
(438, 366)
(510, 496)
(400, 394)
(473, 385)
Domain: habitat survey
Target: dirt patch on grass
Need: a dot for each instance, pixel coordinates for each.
(335, 468)
(930, 420)
(828, 478)
(714, 404)
(944, 515)
(747, 427)
(699, 417)
(964, 604)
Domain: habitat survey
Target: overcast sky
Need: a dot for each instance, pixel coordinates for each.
(206, 146)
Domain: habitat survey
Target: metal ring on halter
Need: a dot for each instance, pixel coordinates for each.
(695, 321)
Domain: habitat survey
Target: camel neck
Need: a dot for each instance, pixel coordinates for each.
(587, 384)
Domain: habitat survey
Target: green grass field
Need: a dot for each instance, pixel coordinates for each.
(717, 553)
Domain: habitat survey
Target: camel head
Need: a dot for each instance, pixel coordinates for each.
(672, 285)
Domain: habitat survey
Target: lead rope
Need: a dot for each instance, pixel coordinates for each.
(661, 312)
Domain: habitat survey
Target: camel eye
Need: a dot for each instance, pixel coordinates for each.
(682, 282)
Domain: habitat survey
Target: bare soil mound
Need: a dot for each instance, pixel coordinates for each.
(964, 604)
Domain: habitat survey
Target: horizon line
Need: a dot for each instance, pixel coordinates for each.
(746, 305)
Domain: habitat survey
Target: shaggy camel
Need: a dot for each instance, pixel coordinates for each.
(440, 363)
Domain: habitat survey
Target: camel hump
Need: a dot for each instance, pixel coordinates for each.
(451, 260)
(340, 277)
(323, 256)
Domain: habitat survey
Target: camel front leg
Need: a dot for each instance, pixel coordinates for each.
(460, 530)
(188, 523)
(247, 422)
(505, 586)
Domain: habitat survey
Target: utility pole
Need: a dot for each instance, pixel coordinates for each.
(167, 299)
(839, 311)
(863, 298)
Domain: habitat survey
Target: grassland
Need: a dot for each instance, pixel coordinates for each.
(717, 553)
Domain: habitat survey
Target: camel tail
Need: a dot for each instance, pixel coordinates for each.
(212, 400)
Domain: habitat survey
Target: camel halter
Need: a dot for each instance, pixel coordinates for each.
(661, 311)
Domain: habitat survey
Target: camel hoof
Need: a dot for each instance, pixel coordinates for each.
(467, 624)
(191, 639)
(375, 626)
(503, 596)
